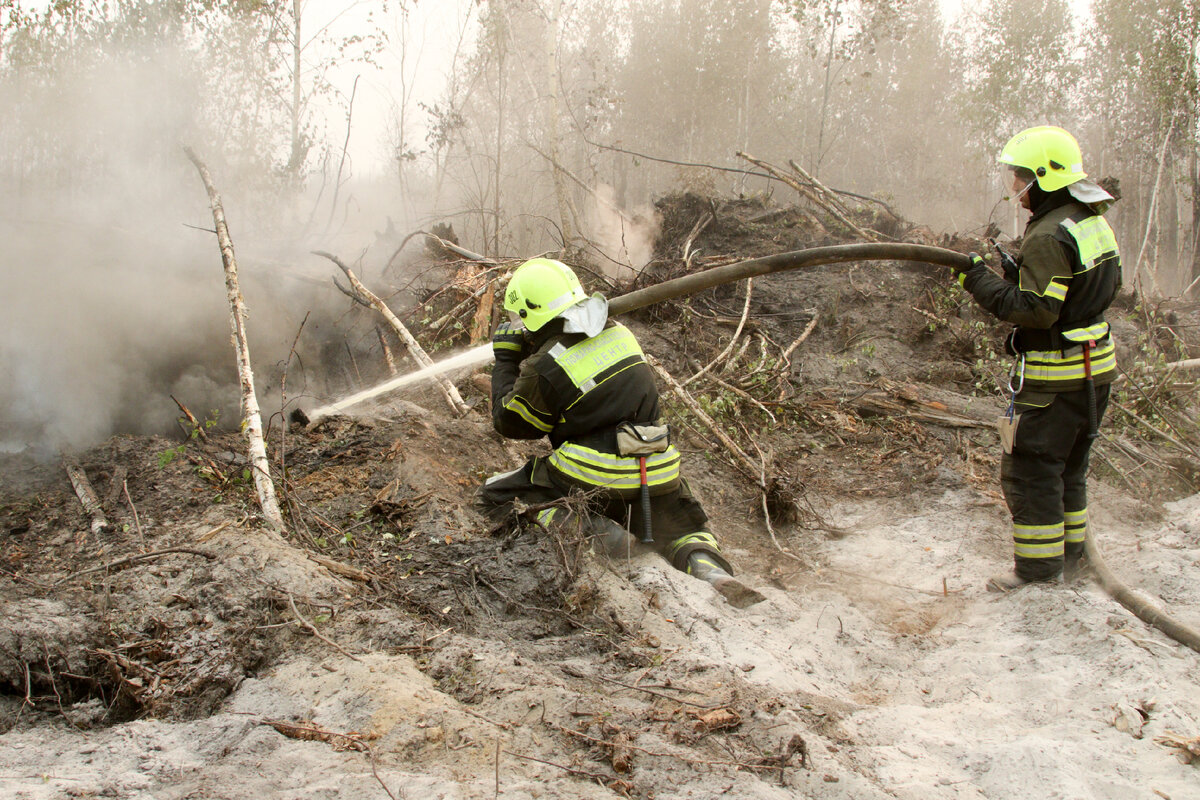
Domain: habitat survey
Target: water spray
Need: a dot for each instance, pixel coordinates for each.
(688, 284)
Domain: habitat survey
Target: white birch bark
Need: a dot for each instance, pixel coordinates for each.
(251, 417)
(87, 497)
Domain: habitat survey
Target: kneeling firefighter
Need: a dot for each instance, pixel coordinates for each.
(565, 370)
(1056, 291)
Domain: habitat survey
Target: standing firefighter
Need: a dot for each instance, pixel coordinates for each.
(1066, 275)
(564, 370)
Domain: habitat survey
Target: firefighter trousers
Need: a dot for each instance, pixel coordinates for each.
(677, 521)
(1045, 482)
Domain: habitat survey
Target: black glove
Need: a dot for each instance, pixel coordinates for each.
(976, 263)
(508, 343)
(1008, 264)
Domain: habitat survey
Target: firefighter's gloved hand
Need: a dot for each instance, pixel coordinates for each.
(976, 264)
(1008, 265)
(508, 343)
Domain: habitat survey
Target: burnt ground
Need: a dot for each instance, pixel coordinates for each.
(393, 619)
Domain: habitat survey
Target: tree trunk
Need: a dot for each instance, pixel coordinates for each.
(552, 77)
(294, 161)
(251, 418)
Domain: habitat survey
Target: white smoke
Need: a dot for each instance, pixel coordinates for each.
(624, 238)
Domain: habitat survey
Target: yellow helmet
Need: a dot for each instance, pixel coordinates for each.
(1048, 152)
(540, 290)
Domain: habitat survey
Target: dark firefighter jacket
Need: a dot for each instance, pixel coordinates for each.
(1070, 271)
(576, 389)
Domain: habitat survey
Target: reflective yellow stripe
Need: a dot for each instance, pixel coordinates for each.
(613, 471)
(1094, 238)
(500, 344)
(1038, 531)
(1092, 333)
(546, 516)
(594, 385)
(1049, 365)
(1075, 525)
(1048, 550)
(699, 537)
(522, 409)
(1056, 290)
(1038, 541)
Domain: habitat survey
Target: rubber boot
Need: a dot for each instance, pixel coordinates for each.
(1011, 581)
(610, 538)
(737, 593)
(1075, 566)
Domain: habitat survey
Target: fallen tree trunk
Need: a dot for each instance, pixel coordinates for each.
(457, 404)
(251, 417)
(87, 496)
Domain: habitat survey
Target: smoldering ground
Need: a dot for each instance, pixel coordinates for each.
(114, 298)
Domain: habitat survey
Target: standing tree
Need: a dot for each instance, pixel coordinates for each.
(1147, 94)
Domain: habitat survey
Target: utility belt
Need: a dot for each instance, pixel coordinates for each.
(584, 465)
(1069, 341)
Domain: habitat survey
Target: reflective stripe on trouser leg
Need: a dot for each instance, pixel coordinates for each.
(697, 542)
(1038, 541)
(1075, 528)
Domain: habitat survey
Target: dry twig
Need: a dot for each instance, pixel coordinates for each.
(313, 629)
(135, 559)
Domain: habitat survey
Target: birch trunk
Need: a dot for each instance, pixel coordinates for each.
(87, 497)
(251, 418)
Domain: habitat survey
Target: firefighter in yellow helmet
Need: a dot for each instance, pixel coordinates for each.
(565, 371)
(1055, 292)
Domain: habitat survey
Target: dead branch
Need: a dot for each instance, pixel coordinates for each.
(748, 467)
(345, 570)
(136, 559)
(808, 329)
(451, 246)
(308, 732)
(580, 674)
(898, 400)
(313, 630)
(1188, 747)
(87, 496)
(414, 348)
(819, 187)
(137, 523)
(251, 418)
(387, 351)
(603, 780)
(191, 418)
(742, 393)
(810, 191)
(701, 224)
(733, 340)
(1161, 434)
